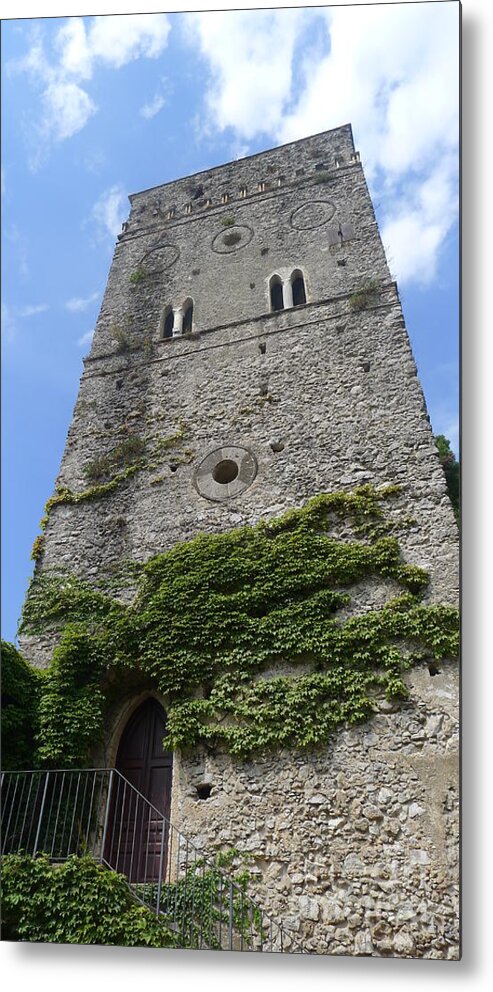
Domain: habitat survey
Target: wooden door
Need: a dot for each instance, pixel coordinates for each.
(135, 839)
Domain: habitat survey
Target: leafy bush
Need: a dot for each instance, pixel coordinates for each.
(21, 686)
(363, 297)
(137, 276)
(77, 902)
(451, 468)
(322, 177)
(232, 238)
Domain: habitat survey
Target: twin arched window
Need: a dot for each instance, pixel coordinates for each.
(276, 294)
(168, 321)
(177, 320)
(187, 317)
(287, 293)
(298, 288)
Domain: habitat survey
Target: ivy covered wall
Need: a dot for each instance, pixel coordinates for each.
(252, 637)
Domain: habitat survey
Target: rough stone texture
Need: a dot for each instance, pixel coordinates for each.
(355, 845)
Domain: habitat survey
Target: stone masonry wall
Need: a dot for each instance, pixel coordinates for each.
(355, 845)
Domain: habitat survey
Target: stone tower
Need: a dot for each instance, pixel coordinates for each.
(251, 351)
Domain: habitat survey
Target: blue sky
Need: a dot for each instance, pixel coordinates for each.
(96, 108)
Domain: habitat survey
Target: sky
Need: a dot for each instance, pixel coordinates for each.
(95, 108)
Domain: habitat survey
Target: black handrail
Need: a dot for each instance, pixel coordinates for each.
(65, 812)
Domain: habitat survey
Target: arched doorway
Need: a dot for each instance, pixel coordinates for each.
(137, 831)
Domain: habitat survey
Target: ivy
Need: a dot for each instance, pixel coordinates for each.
(126, 457)
(137, 276)
(251, 636)
(21, 690)
(77, 902)
(64, 496)
(82, 902)
(120, 456)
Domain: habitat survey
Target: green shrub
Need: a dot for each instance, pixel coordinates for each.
(363, 297)
(21, 689)
(77, 902)
(121, 456)
(322, 177)
(232, 238)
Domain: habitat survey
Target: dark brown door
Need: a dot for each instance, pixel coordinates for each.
(138, 834)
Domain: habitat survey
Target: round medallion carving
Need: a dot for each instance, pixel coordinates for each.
(232, 239)
(159, 258)
(225, 472)
(311, 215)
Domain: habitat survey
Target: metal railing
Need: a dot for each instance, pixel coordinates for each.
(98, 812)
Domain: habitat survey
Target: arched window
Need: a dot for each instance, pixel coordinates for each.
(167, 323)
(298, 287)
(187, 317)
(276, 294)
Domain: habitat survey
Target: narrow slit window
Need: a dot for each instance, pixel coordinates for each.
(168, 323)
(276, 294)
(187, 319)
(298, 286)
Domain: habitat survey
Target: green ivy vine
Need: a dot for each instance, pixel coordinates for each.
(122, 462)
(248, 635)
(55, 903)
(76, 902)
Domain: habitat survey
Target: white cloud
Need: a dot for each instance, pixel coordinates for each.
(72, 44)
(109, 211)
(79, 47)
(77, 304)
(389, 69)
(121, 39)
(86, 338)
(66, 109)
(153, 107)
(31, 311)
(250, 55)
(417, 223)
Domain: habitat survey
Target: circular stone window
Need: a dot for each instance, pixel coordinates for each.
(225, 472)
(159, 258)
(232, 239)
(311, 215)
